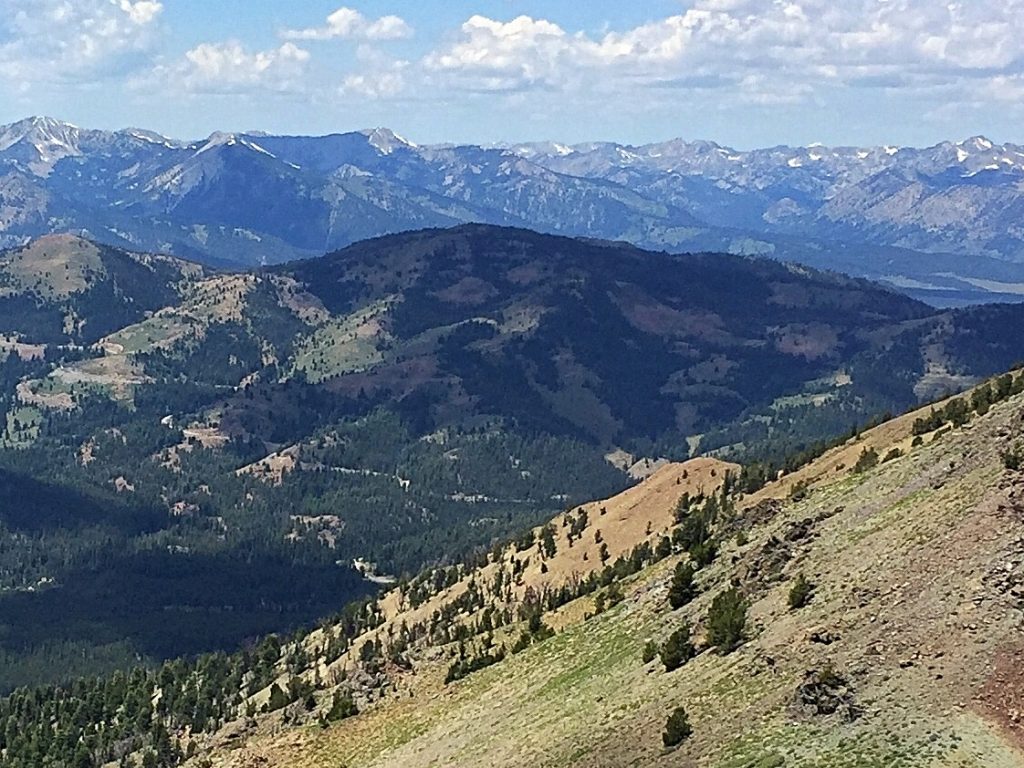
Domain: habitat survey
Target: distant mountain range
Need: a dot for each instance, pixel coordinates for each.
(940, 223)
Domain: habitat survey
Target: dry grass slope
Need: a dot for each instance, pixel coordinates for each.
(918, 568)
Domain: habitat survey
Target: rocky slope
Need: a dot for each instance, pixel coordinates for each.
(907, 653)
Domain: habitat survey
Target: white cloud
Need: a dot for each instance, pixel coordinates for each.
(142, 12)
(374, 85)
(493, 55)
(230, 67)
(53, 40)
(380, 77)
(761, 50)
(350, 24)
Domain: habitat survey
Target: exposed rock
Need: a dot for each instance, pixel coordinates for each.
(825, 692)
(822, 636)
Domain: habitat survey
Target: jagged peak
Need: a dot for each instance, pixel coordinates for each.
(385, 140)
(41, 122)
(38, 130)
(224, 139)
(978, 143)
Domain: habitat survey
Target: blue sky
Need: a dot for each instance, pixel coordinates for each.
(742, 72)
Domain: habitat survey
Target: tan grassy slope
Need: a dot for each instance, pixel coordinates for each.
(919, 569)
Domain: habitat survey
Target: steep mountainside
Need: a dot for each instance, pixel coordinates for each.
(906, 650)
(405, 401)
(862, 611)
(938, 223)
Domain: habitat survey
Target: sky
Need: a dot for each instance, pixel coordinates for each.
(746, 73)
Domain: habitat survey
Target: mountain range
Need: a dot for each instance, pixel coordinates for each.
(939, 223)
(192, 456)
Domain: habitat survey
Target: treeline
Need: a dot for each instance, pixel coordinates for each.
(148, 717)
(960, 410)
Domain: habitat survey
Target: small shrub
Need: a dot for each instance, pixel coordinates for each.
(1013, 458)
(801, 592)
(649, 653)
(867, 460)
(677, 728)
(615, 595)
(895, 453)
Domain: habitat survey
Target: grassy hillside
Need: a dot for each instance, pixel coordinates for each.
(907, 652)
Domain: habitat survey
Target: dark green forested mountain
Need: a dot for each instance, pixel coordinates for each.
(192, 458)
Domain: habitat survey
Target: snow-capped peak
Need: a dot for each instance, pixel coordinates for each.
(221, 139)
(43, 142)
(385, 141)
(152, 137)
(978, 143)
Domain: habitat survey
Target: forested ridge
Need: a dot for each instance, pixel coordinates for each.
(192, 459)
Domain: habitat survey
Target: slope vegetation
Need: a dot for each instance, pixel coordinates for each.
(406, 401)
(906, 652)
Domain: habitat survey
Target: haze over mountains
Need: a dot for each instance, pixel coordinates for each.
(940, 223)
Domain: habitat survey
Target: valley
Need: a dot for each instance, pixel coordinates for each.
(406, 401)
(537, 653)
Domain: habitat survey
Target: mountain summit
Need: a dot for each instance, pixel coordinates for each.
(252, 198)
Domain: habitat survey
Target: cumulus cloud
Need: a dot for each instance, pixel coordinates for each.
(62, 40)
(493, 55)
(764, 50)
(379, 77)
(350, 24)
(230, 67)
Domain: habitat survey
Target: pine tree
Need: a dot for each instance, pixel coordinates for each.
(278, 699)
(547, 541)
(677, 728)
(342, 706)
(682, 590)
(678, 649)
(727, 621)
